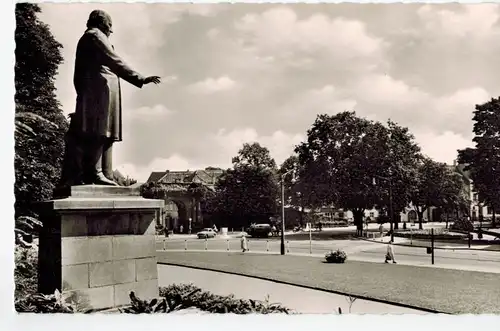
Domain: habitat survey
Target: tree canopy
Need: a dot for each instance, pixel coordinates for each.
(344, 153)
(247, 192)
(436, 185)
(38, 155)
(483, 161)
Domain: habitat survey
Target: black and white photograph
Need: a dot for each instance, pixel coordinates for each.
(256, 158)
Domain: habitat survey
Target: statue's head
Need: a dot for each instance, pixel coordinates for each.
(101, 20)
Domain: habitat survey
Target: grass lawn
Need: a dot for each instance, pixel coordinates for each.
(442, 290)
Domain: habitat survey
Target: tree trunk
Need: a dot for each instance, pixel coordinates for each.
(493, 218)
(420, 215)
(358, 221)
(301, 216)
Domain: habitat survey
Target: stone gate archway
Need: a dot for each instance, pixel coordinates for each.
(174, 186)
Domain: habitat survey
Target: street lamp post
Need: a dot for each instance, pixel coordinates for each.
(282, 246)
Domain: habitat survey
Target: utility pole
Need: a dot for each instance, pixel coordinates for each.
(282, 246)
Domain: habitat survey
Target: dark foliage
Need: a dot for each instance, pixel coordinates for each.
(248, 192)
(338, 256)
(483, 161)
(38, 156)
(41, 303)
(213, 303)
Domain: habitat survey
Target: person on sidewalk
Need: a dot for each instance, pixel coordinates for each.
(381, 230)
(244, 243)
(390, 252)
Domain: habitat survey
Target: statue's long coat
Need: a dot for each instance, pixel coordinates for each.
(96, 79)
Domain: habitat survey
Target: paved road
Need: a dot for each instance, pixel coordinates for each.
(358, 250)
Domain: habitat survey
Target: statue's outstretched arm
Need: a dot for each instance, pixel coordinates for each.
(115, 63)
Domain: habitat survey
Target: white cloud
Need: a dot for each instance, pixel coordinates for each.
(213, 85)
(380, 89)
(476, 20)
(324, 100)
(462, 102)
(213, 33)
(151, 113)
(442, 147)
(279, 143)
(279, 30)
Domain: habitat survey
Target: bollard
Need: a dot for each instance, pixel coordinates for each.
(164, 244)
(206, 243)
(185, 244)
(432, 245)
(227, 244)
(411, 237)
(469, 236)
(267, 245)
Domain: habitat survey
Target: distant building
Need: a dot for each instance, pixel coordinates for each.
(179, 206)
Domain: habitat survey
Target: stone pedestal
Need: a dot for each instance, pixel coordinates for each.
(98, 244)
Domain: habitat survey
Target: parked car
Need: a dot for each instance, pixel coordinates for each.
(260, 231)
(206, 233)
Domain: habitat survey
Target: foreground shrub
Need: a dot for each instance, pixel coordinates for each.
(463, 225)
(214, 303)
(40, 303)
(26, 271)
(170, 303)
(338, 256)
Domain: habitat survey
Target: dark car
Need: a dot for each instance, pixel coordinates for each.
(260, 231)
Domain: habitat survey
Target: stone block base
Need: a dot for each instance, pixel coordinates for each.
(97, 247)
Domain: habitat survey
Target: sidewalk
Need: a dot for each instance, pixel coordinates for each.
(301, 300)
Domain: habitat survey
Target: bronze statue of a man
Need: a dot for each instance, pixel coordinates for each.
(97, 121)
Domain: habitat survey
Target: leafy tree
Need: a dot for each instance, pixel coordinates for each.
(254, 155)
(344, 153)
(38, 146)
(455, 197)
(483, 161)
(400, 163)
(435, 186)
(299, 191)
(248, 192)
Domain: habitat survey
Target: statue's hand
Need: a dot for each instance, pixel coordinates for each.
(152, 79)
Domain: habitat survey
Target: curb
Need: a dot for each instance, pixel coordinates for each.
(397, 304)
(443, 248)
(316, 255)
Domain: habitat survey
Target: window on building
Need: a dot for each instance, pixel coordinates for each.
(489, 210)
(372, 214)
(341, 214)
(475, 197)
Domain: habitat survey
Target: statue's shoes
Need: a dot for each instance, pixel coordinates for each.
(100, 179)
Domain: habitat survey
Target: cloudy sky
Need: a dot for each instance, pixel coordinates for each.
(242, 73)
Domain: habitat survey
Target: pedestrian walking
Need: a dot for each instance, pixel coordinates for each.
(181, 229)
(390, 253)
(244, 243)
